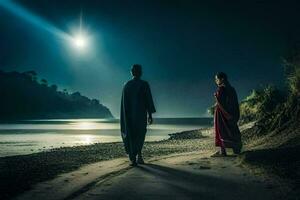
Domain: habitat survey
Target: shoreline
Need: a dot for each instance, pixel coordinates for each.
(37, 141)
(19, 173)
(24, 139)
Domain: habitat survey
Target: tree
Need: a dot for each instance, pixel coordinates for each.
(54, 87)
(95, 102)
(44, 82)
(65, 91)
(76, 94)
(31, 74)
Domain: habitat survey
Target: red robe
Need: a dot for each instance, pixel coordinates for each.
(227, 114)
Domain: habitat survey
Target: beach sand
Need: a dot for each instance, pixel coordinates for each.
(192, 175)
(20, 173)
(177, 168)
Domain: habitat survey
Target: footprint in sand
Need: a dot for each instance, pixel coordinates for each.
(191, 163)
(197, 162)
(107, 184)
(204, 167)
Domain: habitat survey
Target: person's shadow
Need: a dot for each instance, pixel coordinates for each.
(189, 185)
(159, 182)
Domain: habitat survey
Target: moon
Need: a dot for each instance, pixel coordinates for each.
(80, 41)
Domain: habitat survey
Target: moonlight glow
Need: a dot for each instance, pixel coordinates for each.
(85, 126)
(80, 41)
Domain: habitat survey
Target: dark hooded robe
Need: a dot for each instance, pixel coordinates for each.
(227, 114)
(136, 103)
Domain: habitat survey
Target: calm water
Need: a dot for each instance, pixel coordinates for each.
(30, 136)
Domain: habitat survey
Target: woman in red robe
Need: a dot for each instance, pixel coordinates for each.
(227, 114)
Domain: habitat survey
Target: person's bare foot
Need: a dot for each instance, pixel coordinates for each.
(223, 151)
(140, 160)
(133, 164)
(236, 150)
(218, 154)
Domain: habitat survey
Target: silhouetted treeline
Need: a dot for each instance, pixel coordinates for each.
(23, 96)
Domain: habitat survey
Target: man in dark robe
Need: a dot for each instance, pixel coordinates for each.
(136, 103)
(227, 114)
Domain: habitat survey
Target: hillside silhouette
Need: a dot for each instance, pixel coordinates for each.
(24, 96)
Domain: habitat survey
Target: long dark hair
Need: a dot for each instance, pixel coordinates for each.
(222, 75)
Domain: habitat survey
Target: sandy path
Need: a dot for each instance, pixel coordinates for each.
(188, 176)
(67, 185)
(182, 176)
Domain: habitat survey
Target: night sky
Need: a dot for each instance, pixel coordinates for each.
(180, 44)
